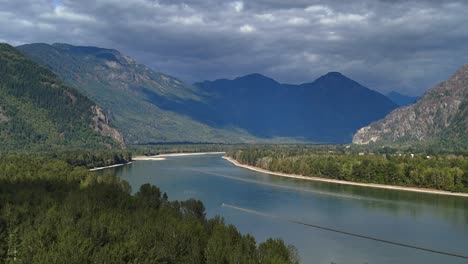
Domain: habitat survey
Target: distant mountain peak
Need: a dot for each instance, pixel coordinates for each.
(334, 77)
(255, 77)
(335, 74)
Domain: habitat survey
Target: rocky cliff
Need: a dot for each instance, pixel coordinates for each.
(101, 124)
(439, 115)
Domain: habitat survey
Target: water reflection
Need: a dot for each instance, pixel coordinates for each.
(433, 221)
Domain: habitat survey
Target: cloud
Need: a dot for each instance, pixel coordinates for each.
(247, 29)
(298, 21)
(238, 6)
(61, 13)
(401, 45)
(190, 20)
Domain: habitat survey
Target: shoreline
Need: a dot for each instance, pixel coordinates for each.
(157, 157)
(188, 154)
(111, 166)
(182, 154)
(145, 158)
(370, 185)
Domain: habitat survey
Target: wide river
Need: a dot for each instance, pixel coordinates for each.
(423, 220)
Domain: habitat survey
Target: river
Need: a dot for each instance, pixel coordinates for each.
(271, 206)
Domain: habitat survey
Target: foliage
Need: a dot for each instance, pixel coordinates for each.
(53, 212)
(443, 172)
(39, 111)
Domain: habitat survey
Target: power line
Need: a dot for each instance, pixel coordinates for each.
(343, 232)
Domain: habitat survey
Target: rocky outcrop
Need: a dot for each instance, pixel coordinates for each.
(101, 124)
(429, 118)
(3, 116)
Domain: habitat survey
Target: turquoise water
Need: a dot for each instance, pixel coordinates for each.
(429, 221)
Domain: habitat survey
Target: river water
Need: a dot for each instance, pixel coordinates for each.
(273, 203)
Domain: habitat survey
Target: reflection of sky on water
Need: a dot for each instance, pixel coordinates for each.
(433, 221)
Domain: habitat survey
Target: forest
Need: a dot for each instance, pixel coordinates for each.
(40, 113)
(386, 166)
(55, 212)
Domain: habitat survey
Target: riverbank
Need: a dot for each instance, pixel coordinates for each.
(371, 185)
(189, 154)
(158, 157)
(164, 156)
(110, 166)
(143, 158)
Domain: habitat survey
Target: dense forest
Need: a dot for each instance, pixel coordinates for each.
(39, 112)
(53, 212)
(443, 172)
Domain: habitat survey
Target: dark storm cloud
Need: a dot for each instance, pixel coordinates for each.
(402, 45)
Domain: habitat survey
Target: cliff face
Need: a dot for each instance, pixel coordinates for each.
(101, 124)
(441, 112)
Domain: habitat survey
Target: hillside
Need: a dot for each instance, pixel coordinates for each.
(440, 116)
(37, 111)
(330, 109)
(136, 98)
(401, 99)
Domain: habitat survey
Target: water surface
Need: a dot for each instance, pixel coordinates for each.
(426, 220)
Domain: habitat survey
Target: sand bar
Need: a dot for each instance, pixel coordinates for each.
(110, 166)
(147, 158)
(189, 154)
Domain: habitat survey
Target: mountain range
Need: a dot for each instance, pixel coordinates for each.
(440, 115)
(151, 107)
(37, 111)
(330, 109)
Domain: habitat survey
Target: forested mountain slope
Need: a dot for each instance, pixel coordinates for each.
(135, 97)
(440, 116)
(37, 111)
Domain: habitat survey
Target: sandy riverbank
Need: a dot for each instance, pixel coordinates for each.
(371, 185)
(189, 154)
(110, 166)
(147, 158)
(164, 156)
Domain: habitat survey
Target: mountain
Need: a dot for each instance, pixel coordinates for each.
(138, 100)
(37, 111)
(401, 99)
(440, 115)
(151, 107)
(330, 109)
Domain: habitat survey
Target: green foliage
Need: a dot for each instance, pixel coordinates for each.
(274, 251)
(39, 112)
(93, 159)
(53, 212)
(443, 172)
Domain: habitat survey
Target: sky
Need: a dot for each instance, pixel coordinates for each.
(407, 46)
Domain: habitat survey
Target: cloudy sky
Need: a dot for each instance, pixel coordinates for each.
(407, 46)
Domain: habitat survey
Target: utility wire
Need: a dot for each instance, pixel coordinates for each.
(342, 232)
